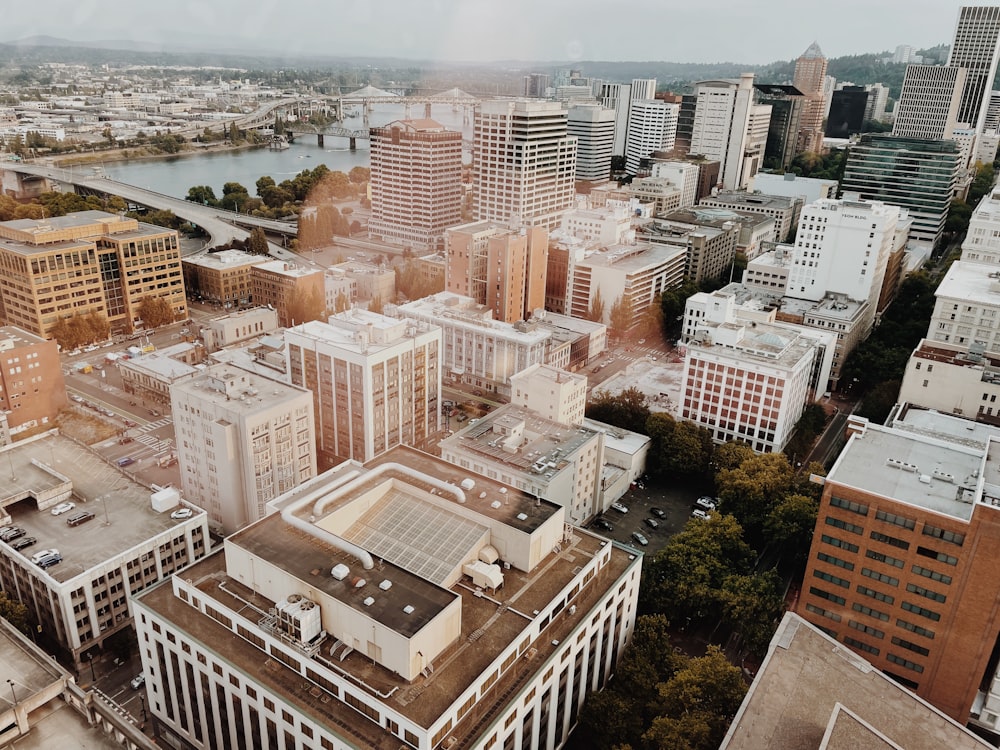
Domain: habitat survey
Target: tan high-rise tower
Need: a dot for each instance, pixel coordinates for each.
(810, 70)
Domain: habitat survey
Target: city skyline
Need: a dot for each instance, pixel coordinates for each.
(439, 30)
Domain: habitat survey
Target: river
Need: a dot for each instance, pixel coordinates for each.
(176, 175)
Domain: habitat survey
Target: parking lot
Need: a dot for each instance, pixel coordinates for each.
(675, 500)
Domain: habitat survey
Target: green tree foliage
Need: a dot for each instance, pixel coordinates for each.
(257, 242)
(60, 204)
(751, 606)
(620, 317)
(807, 429)
(627, 409)
(730, 455)
(341, 303)
(685, 578)
(878, 402)
(155, 312)
(303, 308)
(13, 612)
(959, 214)
(165, 218)
(11, 209)
(678, 449)
(751, 491)
(596, 311)
(829, 166)
(202, 194)
(672, 303)
(982, 183)
(790, 523)
(414, 285)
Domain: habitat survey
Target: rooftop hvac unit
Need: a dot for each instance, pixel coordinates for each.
(299, 618)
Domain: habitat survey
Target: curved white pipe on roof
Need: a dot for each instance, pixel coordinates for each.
(379, 470)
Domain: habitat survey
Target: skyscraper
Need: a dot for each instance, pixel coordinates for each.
(652, 126)
(928, 104)
(976, 47)
(593, 126)
(523, 162)
(810, 70)
(730, 128)
(416, 181)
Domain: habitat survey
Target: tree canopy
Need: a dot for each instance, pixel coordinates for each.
(155, 312)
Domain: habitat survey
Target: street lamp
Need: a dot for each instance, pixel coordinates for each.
(93, 675)
(13, 694)
(142, 700)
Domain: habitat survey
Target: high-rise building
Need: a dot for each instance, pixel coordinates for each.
(652, 126)
(783, 129)
(928, 103)
(116, 263)
(416, 182)
(847, 112)
(810, 72)
(536, 85)
(916, 174)
(902, 567)
(368, 611)
(523, 162)
(500, 266)
(617, 97)
(878, 96)
(730, 128)
(376, 382)
(242, 440)
(906, 55)
(992, 121)
(684, 175)
(976, 47)
(593, 126)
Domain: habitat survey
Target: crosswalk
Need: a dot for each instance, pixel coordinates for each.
(155, 425)
(153, 443)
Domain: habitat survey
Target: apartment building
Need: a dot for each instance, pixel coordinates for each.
(241, 441)
(523, 162)
(375, 380)
(498, 265)
(32, 389)
(476, 349)
(82, 601)
(222, 278)
(291, 290)
(787, 104)
(458, 611)
(89, 261)
(901, 568)
(416, 182)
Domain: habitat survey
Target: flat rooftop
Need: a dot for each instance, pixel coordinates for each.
(454, 310)
(809, 685)
(18, 337)
(844, 310)
(920, 421)
(283, 268)
(225, 259)
(970, 282)
(41, 463)
(236, 390)
(632, 258)
(752, 201)
(895, 464)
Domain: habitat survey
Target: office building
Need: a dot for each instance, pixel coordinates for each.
(928, 104)
(295, 292)
(810, 72)
(966, 305)
(523, 162)
(242, 440)
(416, 183)
(243, 325)
(551, 392)
(963, 380)
(499, 265)
(148, 377)
(976, 48)
(847, 112)
(685, 124)
(730, 128)
(684, 175)
(32, 388)
(709, 242)
(906, 55)
(536, 85)
(787, 103)
(476, 349)
(617, 97)
(782, 208)
(587, 339)
(376, 382)
(362, 281)
(839, 701)
(916, 174)
(608, 225)
(790, 185)
(79, 603)
(878, 97)
(378, 618)
(902, 564)
(117, 261)
(652, 126)
(593, 126)
(221, 278)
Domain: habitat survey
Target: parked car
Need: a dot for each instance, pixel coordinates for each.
(603, 524)
(10, 533)
(82, 517)
(701, 514)
(24, 541)
(658, 512)
(138, 681)
(125, 461)
(181, 513)
(619, 507)
(652, 523)
(46, 558)
(62, 508)
(640, 538)
(705, 503)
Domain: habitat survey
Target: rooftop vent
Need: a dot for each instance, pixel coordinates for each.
(369, 601)
(495, 504)
(408, 609)
(522, 516)
(340, 571)
(385, 585)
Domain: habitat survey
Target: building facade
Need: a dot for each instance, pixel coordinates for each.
(32, 388)
(416, 182)
(652, 126)
(810, 72)
(293, 291)
(222, 278)
(929, 102)
(976, 48)
(593, 126)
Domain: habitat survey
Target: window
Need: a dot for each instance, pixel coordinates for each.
(903, 662)
(890, 540)
(835, 542)
(918, 610)
(932, 574)
(906, 523)
(861, 646)
(894, 561)
(870, 612)
(835, 561)
(914, 589)
(881, 577)
(827, 595)
(865, 591)
(859, 508)
(944, 535)
(911, 646)
(822, 612)
(832, 579)
(915, 629)
(844, 525)
(866, 628)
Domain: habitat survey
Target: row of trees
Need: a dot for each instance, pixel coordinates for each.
(81, 329)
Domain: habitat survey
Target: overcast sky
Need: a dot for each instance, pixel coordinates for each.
(746, 31)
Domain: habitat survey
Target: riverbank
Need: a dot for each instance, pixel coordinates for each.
(146, 153)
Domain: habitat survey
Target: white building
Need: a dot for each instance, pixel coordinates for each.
(475, 348)
(684, 175)
(411, 603)
(523, 162)
(952, 379)
(593, 126)
(242, 440)
(617, 97)
(554, 393)
(929, 101)
(376, 381)
(789, 185)
(226, 330)
(607, 225)
(652, 126)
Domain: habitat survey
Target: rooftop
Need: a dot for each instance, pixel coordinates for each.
(972, 283)
(283, 268)
(360, 331)
(632, 258)
(225, 259)
(752, 201)
(813, 693)
(925, 471)
(450, 309)
(12, 336)
(161, 363)
(237, 390)
(50, 460)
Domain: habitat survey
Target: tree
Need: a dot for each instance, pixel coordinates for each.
(303, 308)
(359, 175)
(596, 312)
(752, 490)
(155, 312)
(341, 303)
(257, 243)
(678, 448)
(202, 194)
(790, 524)
(627, 409)
(730, 455)
(375, 305)
(752, 606)
(620, 317)
(14, 612)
